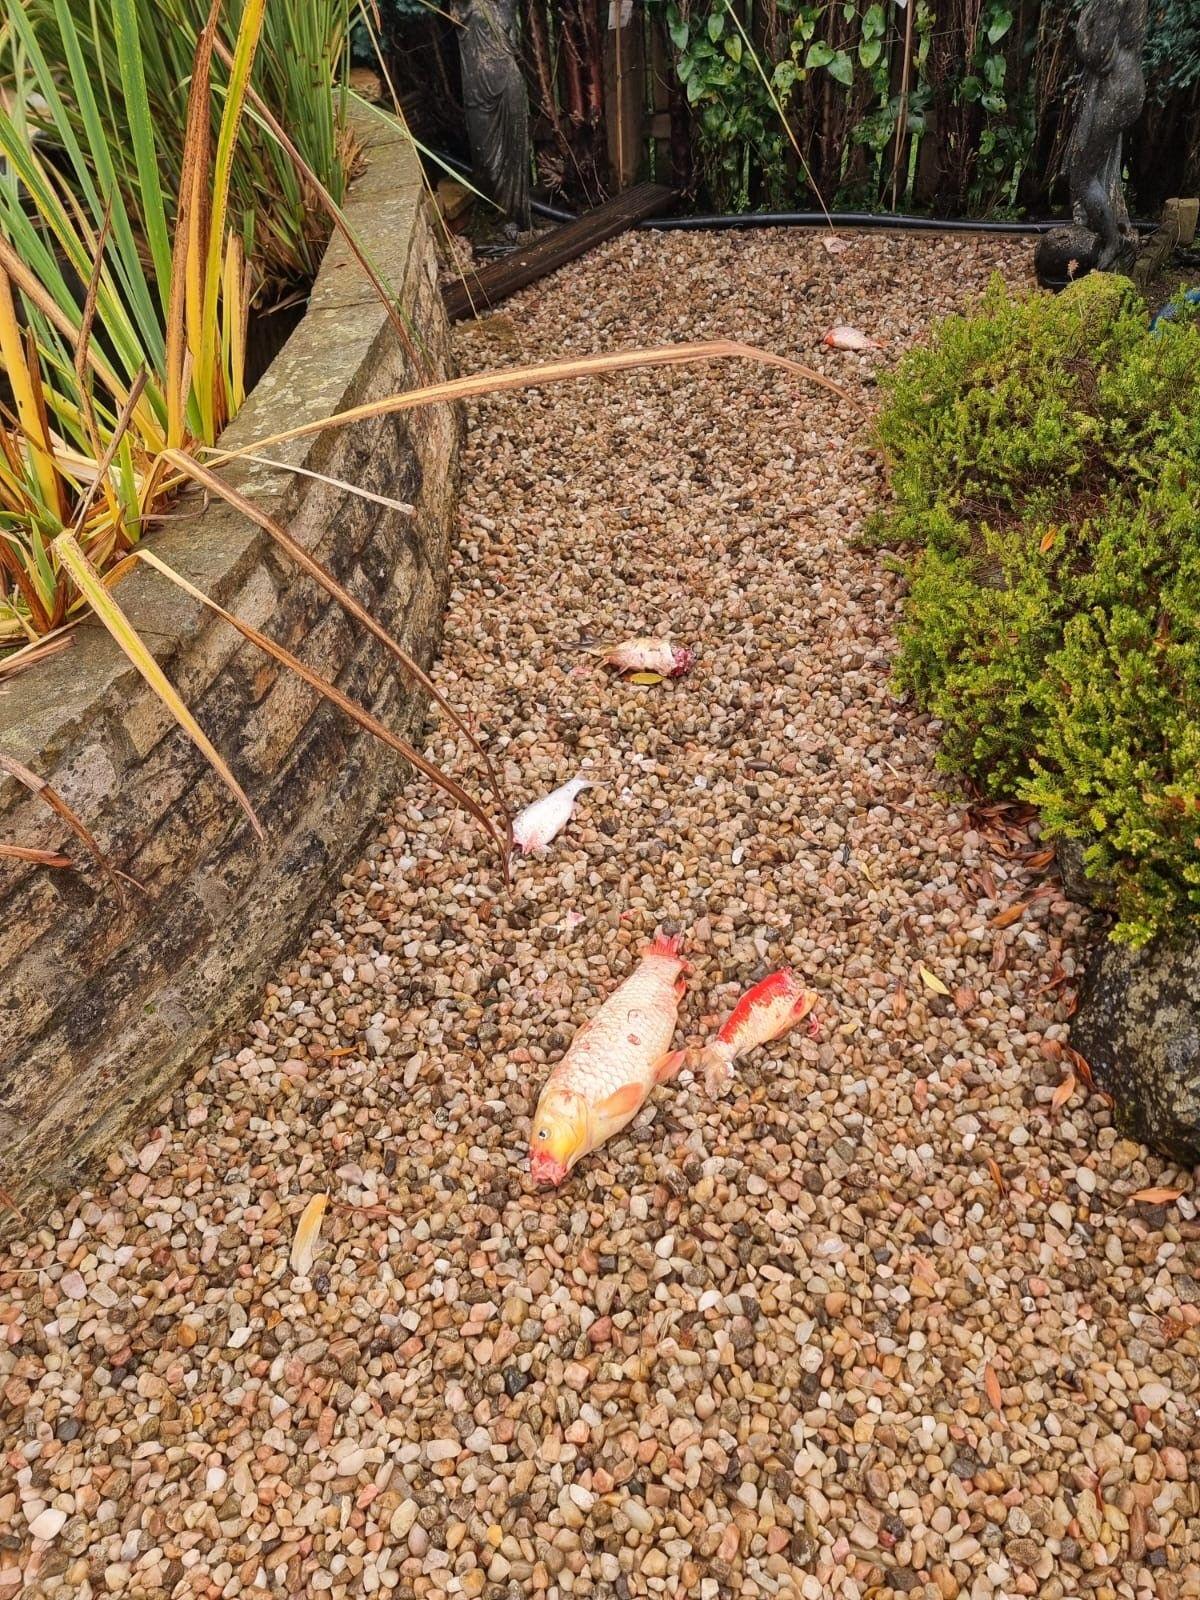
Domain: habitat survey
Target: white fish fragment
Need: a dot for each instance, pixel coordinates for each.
(843, 337)
(539, 823)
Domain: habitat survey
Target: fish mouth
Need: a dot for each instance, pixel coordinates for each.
(545, 1169)
(683, 660)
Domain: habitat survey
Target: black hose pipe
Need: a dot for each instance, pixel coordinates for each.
(810, 219)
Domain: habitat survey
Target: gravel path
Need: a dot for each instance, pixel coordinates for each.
(883, 1322)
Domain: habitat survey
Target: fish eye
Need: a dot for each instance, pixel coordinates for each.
(542, 1134)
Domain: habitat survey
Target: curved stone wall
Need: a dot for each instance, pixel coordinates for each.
(102, 1006)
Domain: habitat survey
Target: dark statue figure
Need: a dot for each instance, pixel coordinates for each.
(1108, 41)
(496, 103)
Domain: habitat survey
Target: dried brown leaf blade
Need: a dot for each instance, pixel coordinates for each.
(991, 1384)
(308, 1231)
(487, 383)
(331, 692)
(1063, 1093)
(932, 981)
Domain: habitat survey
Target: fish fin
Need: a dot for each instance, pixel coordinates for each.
(665, 944)
(718, 1070)
(670, 1065)
(623, 1103)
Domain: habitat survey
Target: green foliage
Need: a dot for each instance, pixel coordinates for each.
(297, 71)
(1046, 457)
(1172, 53)
(744, 114)
(742, 142)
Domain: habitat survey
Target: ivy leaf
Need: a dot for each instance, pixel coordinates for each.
(784, 76)
(995, 103)
(874, 23)
(819, 54)
(733, 47)
(849, 11)
(869, 52)
(716, 25)
(679, 34)
(842, 68)
(695, 88)
(999, 25)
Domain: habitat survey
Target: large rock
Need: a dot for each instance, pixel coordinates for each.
(1138, 1025)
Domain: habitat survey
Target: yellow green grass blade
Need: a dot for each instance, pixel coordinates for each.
(231, 117)
(29, 412)
(141, 123)
(67, 548)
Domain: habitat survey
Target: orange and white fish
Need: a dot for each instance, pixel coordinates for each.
(650, 655)
(544, 820)
(844, 337)
(764, 1012)
(611, 1065)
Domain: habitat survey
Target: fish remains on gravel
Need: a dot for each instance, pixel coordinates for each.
(611, 1065)
(763, 1013)
(650, 655)
(544, 820)
(846, 338)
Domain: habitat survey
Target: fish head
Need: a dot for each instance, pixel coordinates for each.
(682, 660)
(559, 1137)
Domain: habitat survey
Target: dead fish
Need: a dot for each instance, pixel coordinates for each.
(844, 337)
(611, 1065)
(539, 823)
(763, 1013)
(648, 654)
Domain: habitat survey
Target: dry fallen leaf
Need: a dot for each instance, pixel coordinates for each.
(645, 677)
(304, 1245)
(1156, 1197)
(1011, 914)
(1063, 1093)
(1083, 1069)
(1039, 859)
(1048, 538)
(932, 981)
(992, 1384)
(834, 245)
(997, 1176)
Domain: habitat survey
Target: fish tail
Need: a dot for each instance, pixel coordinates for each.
(665, 944)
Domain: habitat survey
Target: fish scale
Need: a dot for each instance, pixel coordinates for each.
(628, 1036)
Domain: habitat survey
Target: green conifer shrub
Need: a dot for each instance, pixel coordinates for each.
(1045, 463)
